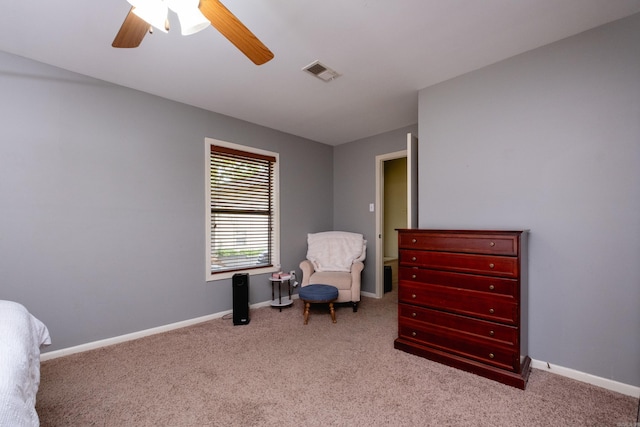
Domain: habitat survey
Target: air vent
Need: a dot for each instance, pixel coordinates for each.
(321, 71)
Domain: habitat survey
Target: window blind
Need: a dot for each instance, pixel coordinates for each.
(242, 211)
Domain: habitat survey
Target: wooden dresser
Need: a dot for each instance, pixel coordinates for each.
(462, 300)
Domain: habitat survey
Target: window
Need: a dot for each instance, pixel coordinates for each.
(242, 210)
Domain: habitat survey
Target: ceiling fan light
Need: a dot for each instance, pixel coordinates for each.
(153, 12)
(192, 21)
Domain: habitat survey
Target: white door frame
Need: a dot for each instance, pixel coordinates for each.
(412, 181)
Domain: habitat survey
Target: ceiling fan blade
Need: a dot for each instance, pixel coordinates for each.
(132, 31)
(234, 30)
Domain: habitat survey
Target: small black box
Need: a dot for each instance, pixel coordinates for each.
(388, 277)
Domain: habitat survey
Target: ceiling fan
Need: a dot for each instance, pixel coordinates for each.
(134, 28)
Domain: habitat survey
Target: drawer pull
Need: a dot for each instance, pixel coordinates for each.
(491, 287)
(413, 334)
(413, 258)
(491, 355)
(414, 240)
(413, 296)
(491, 310)
(492, 265)
(491, 333)
(413, 276)
(413, 314)
(492, 244)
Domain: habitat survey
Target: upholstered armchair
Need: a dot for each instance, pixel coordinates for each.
(335, 258)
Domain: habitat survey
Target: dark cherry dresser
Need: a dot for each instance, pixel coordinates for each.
(462, 300)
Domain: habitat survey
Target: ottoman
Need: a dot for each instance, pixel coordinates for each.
(311, 294)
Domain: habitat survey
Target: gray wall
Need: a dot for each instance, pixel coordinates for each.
(102, 203)
(354, 188)
(550, 140)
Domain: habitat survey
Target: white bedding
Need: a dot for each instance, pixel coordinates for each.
(335, 250)
(21, 337)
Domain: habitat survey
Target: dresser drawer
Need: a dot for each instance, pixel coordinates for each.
(492, 332)
(452, 241)
(491, 285)
(454, 342)
(492, 265)
(461, 301)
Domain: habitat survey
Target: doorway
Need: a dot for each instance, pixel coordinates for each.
(396, 199)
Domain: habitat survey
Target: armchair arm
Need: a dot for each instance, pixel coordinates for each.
(356, 273)
(307, 270)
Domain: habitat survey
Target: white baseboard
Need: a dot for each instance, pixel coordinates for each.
(612, 385)
(140, 334)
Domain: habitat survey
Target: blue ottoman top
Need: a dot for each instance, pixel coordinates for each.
(318, 292)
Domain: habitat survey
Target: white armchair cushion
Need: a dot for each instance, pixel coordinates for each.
(339, 279)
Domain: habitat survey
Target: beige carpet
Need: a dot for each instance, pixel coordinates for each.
(278, 372)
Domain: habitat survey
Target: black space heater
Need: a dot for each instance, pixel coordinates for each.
(240, 284)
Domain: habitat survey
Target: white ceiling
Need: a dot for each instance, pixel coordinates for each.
(385, 51)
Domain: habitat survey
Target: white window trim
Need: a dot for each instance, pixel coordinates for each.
(208, 142)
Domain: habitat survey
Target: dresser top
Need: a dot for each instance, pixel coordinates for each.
(460, 231)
